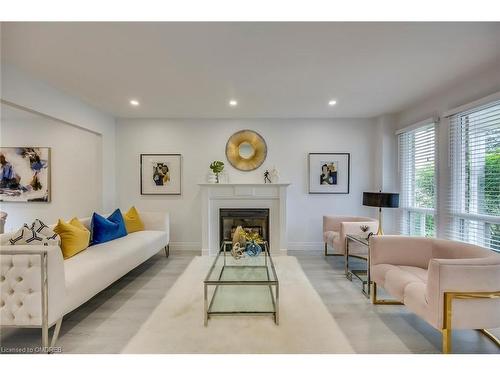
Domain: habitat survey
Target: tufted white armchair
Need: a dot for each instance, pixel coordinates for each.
(27, 291)
(37, 287)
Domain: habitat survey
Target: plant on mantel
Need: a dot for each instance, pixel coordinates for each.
(217, 167)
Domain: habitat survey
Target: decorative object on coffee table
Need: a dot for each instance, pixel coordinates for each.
(252, 236)
(217, 167)
(237, 251)
(389, 200)
(253, 249)
(246, 150)
(239, 236)
(329, 173)
(160, 174)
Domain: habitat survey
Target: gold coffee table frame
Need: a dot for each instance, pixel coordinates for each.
(271, 280)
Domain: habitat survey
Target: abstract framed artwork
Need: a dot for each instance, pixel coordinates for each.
(25, 174)
(329, 173)
(161, 174)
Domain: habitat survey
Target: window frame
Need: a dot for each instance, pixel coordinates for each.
(406, 212)
(459, 220)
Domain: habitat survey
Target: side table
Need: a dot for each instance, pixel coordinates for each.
(362, 274)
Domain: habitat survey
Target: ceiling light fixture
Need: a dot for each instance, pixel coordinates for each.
(134, 102)
(332, 102)
(233, 103)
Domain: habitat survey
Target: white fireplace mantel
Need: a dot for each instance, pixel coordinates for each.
(243, 195)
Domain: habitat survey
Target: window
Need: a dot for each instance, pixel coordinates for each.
(417, 163)
(475, 176)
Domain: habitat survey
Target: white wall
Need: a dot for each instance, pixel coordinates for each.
(76, 175)
(386, 174)
(19, 88)
(288, 141)
(462, 91)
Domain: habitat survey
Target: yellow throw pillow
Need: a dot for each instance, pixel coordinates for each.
(133, 221)
(76, 223)
(74, 237)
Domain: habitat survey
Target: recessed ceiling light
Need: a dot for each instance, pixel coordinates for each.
(233, 103)
(134, 102)
(332, 102)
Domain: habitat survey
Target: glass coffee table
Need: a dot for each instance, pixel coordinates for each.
(245, 286)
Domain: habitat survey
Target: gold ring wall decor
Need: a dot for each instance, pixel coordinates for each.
(246, 150)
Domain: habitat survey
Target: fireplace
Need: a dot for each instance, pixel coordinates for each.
(251, 219)
(215, 197)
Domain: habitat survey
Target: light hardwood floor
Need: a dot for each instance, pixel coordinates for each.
(110, 319)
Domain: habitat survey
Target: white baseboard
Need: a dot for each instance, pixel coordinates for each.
(196, 246)
(309, 246)
(185, 246)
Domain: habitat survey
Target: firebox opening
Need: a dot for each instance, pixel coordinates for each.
(251, 219)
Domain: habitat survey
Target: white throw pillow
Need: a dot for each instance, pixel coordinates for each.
(26, 236)
(41, 228)
(42, 235)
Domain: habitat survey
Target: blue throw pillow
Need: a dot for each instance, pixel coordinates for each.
(104, 230)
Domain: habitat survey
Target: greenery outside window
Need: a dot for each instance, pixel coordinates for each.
(475, 176)
(417, 170)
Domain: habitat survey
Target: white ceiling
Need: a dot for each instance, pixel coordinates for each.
(272, 69)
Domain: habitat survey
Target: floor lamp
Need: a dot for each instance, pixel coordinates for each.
(386, 200)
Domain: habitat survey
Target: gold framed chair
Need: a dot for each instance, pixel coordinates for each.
(335, 229)
(446, 283)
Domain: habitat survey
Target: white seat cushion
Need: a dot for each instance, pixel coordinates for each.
(394, 278)
(421, 273)
(378, 272)
(95, 268)
(415, 300)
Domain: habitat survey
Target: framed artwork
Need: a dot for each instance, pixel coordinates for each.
(329, 173)
(160, 174)
(25, 174)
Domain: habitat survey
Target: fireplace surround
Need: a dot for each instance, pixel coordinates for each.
(215, 197)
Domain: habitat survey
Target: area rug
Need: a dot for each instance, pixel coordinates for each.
(176, 325)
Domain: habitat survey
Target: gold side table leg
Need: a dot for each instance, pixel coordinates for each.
(346, 257)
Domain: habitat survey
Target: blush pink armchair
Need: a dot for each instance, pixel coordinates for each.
(446, 283)
(335, 229)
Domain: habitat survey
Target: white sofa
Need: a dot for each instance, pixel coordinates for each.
(38, 287)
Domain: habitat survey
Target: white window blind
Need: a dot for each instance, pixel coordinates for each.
(417, 170)
(474, 204)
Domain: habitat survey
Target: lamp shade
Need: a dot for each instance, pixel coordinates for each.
(380, 199)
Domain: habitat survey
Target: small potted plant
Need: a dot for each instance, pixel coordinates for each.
(217, 167)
